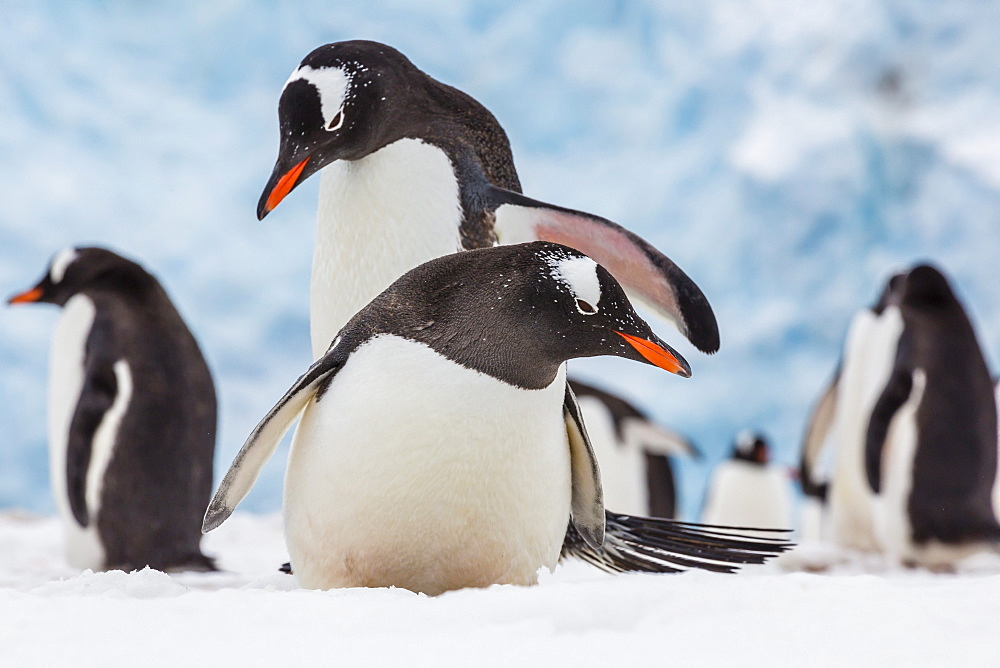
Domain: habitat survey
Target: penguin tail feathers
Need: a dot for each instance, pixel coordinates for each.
(656, 545)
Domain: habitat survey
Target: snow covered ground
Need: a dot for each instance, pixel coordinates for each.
(253, 615)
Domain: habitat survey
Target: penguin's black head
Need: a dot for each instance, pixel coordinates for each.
(926, 285)
(344, 101)
(75, 270)
(751, 447)
(518, 312)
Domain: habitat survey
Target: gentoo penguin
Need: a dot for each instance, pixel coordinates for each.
(748, 489)
(840, 419)
(440, 446)
(634, 453)
(131, 416)
(413, 169)
(931, 440)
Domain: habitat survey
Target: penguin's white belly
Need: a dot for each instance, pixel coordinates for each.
(378, 217)
(747, 495)
(413, 471)
(869, 356)
(623, 469)
(66, 376)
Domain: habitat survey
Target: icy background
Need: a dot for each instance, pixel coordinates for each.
(788, 155)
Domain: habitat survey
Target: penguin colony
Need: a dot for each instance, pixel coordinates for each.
(439, 443)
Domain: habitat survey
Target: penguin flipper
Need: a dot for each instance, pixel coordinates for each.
(266, 436)
(895, 394)
(587, 506)
(100, 387)
(656, 545)
(651, 438)
(820, 422)
(641, 269)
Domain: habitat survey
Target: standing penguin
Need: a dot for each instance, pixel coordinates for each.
(840, 418)
(747, 489)
(132, 416)
(931, 445)
(634, 453)
(413, 169)
(440, 446)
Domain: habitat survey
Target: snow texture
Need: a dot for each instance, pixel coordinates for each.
(788, 156)
(253, 615)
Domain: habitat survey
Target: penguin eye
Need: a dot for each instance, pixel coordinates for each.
(336, 121)
(585, 307)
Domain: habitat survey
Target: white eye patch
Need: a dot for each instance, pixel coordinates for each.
(60, 263)
(579, 274)
(332, 83)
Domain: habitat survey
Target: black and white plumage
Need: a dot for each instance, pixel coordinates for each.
(634, 452)
(931, 438)
(748, 489)
(832, 463)
(132, 416)
(413, 169)
(440, 446)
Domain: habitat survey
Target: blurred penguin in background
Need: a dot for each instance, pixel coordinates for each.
(931, 437)
(634, 453)
(996, 483)
(132, 416)
(748, 489)
(832, 465)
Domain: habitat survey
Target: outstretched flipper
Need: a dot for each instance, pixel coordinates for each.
(587, 505)
(641, 269)
(651, 438)
(262, 443)
(653, 545)
(816, 441)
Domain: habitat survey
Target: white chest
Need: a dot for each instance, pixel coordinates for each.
(413, 471)
(869, 355)
(66, 376)
(744, 494)
(378, 218)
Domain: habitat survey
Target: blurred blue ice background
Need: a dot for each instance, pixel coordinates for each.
(788, 156)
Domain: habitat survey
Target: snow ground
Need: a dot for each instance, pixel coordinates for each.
(860, 614)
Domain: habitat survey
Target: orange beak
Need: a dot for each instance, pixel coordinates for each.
(657, 355)
(282, 188)
(32, 295)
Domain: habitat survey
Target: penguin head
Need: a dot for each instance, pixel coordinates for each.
(751, 447)
(925, 285)
(75, 270)
(519, 312)
(337, 105)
